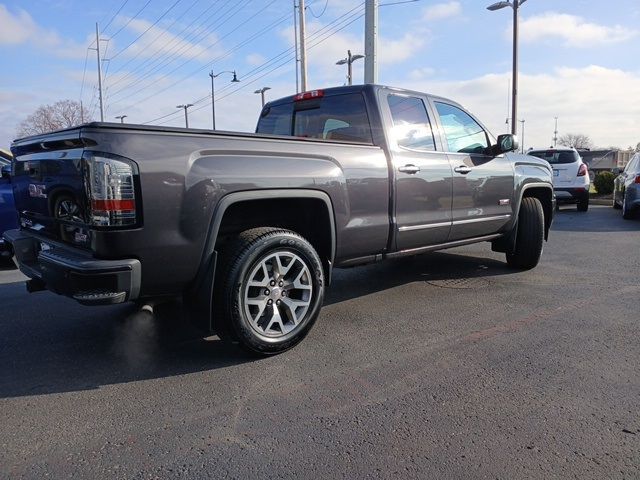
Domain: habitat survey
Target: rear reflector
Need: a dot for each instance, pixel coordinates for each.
(582, 171)
(308, 95)
(117, 205)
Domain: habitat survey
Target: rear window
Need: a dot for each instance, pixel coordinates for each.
(555, 157)
(337, 117)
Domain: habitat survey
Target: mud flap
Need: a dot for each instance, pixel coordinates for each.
(199, 299)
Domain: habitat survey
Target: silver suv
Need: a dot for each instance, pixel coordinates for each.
(570, 175)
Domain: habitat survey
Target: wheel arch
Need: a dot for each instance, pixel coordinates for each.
(240, 211)
(544, 193)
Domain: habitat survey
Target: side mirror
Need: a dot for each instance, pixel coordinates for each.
(616, 171)
(6, 172)
(507, 143)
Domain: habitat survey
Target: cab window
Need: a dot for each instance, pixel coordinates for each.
(463, 133)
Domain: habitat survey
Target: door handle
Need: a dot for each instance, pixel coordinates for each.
(411, 169)
(463, 169)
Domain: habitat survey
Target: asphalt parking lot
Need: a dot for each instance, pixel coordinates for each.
(446, 365)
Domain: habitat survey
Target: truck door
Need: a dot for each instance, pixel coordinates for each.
(422, 174)
(483, 185)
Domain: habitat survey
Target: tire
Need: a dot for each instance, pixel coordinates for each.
(529, 237)
(614, 203)
(272, 290)
(626, 213)
(583, 205)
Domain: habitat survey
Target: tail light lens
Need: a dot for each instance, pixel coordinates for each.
(582, 171)
(637, 180)
(111, 190)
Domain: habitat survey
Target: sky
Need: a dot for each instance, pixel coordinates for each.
(578, 59)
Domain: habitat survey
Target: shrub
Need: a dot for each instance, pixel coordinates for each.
(604, 183)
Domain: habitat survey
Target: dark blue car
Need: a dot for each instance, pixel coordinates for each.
(8, 218)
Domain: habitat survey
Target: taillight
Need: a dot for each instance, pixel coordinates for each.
(582, 171)
(637, 180)
(111, 191)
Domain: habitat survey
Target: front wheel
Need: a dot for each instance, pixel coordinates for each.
(529, 237)
(272, 289)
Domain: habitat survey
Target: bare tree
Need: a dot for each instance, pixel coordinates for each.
(62, 114)
(578, 141)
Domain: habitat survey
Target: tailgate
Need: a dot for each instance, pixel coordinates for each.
(48, 184)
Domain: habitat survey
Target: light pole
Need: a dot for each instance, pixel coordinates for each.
(522, 136)
(349, 61)
(261, 92)
(121, 118)
(213, 99)
(186, 116)
(555, 133)
(515, 5)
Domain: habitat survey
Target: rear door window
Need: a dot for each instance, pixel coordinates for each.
(411, 125)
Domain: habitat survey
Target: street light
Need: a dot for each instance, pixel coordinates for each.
(121, 118)
(186, 117)
(261, 92)
(213, 100)
(515, 5)
(348, 61)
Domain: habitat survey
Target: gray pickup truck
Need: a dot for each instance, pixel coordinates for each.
(247, 228)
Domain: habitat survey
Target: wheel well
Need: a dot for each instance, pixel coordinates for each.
(545, 195)
(309, 217)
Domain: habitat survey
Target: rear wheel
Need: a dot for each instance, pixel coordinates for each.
(583, 205)
(627, 214)
(272, 289)
(529, 237)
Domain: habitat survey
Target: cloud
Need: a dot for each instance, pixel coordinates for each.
(575, 31)
(19, 28)
(568, 93)
(157, 40)
(442, 10)
(255, 59)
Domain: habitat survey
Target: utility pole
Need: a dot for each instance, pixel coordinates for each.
(295, 41)
(514, 74)
(121, 118)
(349, 61)
(303, 48)
(555, 133)
(99, 74)
(186, 116)
(522, 140)
(371, 41)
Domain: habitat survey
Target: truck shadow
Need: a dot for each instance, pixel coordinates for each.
(50, 344)
(436, 267)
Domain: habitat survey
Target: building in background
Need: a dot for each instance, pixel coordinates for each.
(605, 160)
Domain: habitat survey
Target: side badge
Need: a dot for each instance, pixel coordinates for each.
(504, 201)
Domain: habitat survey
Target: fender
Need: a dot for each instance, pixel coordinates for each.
(199, 298)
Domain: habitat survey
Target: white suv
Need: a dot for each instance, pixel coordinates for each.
(570, 175)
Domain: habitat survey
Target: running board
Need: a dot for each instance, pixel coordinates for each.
(442, 246)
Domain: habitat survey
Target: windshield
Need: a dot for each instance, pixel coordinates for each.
(556, 157)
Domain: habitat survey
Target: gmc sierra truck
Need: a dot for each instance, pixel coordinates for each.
(247, 228)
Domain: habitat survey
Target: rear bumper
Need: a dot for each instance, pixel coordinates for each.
(72, 272)
(5, 249)
(571, 195)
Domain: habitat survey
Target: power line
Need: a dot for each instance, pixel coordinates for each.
(150, 27)
(114, 16)
(131, 19)
(344, 23)
(165, 59)
(227, 54)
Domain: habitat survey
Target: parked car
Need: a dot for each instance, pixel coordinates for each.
(248, 227)
(8, 215)
(626, 188)
(570, 175)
